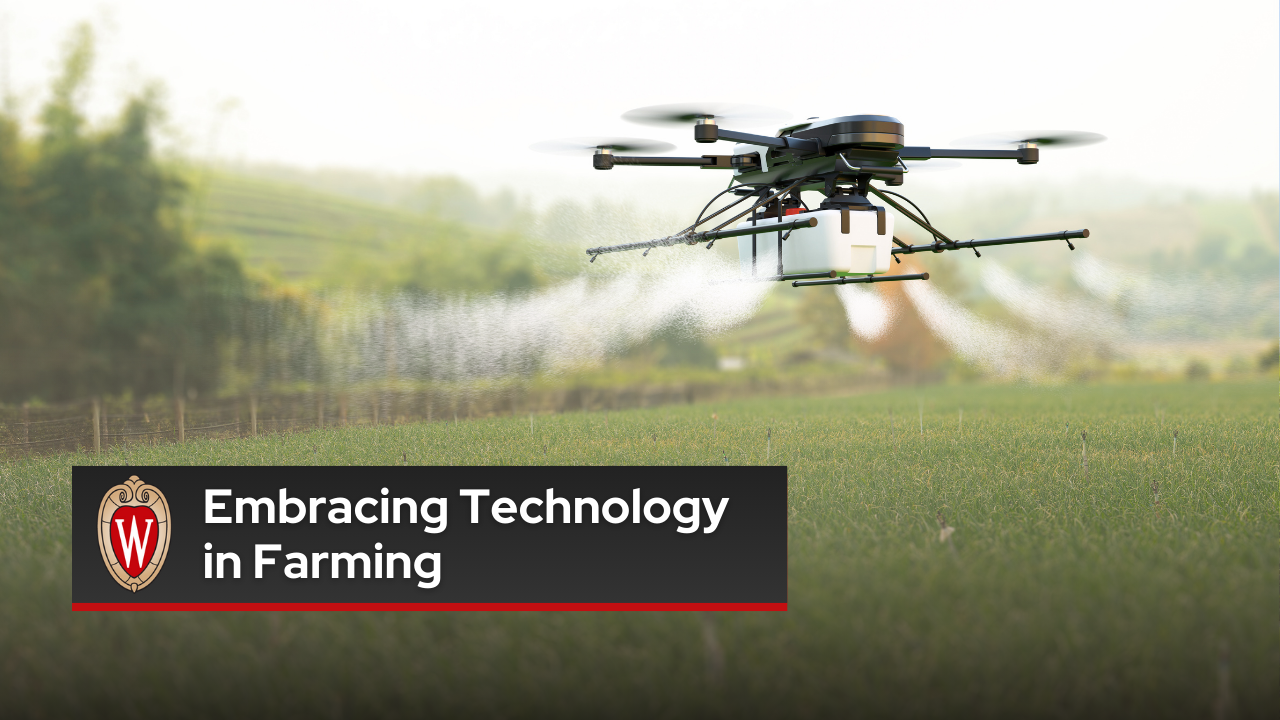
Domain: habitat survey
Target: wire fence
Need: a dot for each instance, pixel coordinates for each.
(102, 424)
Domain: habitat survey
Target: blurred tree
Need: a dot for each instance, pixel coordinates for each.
(455, 258)
(1268, 359)
(102, 292)
(672, 346)
(447, 198)
(682, 349)
(822, 313)
(450, 198)
(1197, 369)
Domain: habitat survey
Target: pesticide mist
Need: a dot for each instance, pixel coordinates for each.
(1114, 312)
(626, 299)
(579, 323)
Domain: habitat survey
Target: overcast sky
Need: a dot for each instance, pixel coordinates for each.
(1187, 92)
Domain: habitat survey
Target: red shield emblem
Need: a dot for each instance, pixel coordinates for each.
(133, 532)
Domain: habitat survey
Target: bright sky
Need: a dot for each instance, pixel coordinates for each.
(1187, 92)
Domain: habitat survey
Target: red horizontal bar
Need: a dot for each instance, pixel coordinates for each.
(431, 607)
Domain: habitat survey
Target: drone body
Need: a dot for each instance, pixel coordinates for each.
(847, 238)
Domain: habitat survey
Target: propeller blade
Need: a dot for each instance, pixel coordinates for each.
(589, 145)
(1065, 138)
(728, 113)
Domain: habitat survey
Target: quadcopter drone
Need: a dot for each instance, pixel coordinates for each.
(847, 238)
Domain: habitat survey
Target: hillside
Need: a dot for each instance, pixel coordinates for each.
(319, 238)
(296, 230)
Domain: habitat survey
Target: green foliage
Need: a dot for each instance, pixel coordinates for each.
(452, 258)
(823, 315)
(61, 117)
(673, 347)
(1197, 369)
(1143, 585)
(452, 199)
(101, 290)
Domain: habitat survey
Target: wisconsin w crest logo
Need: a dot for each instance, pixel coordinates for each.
(133, 532)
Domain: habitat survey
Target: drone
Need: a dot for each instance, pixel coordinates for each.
(848, 238)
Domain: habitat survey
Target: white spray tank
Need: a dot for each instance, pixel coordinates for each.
(863, 250)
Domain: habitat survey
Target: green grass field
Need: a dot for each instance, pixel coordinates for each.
(1061, 593)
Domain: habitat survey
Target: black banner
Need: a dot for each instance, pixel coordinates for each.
(446, 537)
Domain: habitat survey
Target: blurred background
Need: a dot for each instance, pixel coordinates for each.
(250, 217)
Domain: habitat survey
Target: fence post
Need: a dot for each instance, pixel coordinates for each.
(179, 411)
(253, 413)
(97, 427)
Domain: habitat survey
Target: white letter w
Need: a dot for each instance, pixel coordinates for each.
(132, 541)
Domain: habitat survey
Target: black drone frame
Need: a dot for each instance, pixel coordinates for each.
(838, 157)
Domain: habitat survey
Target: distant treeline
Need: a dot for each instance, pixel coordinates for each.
(115, 279)
(101, 289)
(107, 286)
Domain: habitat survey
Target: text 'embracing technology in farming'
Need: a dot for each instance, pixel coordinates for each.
(429, 538)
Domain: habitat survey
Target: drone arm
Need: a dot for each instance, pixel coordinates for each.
(603, 161)
(661, 161)
(711, 133)
(1024, 156)
(939, 247)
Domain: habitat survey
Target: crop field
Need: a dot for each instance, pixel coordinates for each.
(298, 230)
(1106, 577)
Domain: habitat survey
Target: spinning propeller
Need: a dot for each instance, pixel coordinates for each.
(685, 113)
(593, 145)
(1041, 139)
